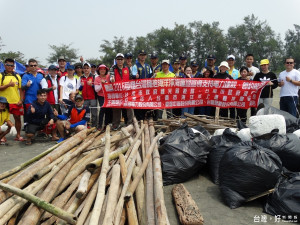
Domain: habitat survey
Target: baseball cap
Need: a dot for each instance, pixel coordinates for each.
(264, 62)
(3, 100)
(86, 64)
(119, 55)
(211, 56)
(182, 57)
(165, 61)
(52, 67)
(78, 96)
(142, 52)
(153, 56)
(128, 54)
(231, 57)
(194, 63)
(70, 67)
(176, 61)
(61, 58)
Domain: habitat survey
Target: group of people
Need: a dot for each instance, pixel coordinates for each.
(67, 99)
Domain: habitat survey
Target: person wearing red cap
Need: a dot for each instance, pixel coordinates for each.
(106, 113)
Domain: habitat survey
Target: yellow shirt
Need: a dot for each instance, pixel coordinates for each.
(161, 74)
(11, 93)
(4, 116)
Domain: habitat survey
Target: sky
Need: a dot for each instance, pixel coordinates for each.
(31, 26)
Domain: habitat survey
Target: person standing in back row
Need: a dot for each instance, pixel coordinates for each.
(266, 95)
(289, 82)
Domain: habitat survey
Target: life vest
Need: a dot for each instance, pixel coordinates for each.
(143, 71)
(88, 92)
(75, 117)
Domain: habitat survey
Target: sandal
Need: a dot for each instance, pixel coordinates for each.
(19, 139)
(3, 143)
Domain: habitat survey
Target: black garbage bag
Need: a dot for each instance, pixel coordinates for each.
(183, 153)
(247, 170)
(285, 200)
(220, 144)
(292, 123)
(287, 147)
(240, 124)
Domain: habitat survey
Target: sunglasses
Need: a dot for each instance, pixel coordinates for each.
(78, 100)
(10, 65)
(33, 65)
(289, 62)
(120, 59)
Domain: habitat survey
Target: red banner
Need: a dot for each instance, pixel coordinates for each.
(182, 93)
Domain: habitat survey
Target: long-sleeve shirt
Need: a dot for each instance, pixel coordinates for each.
(41, 112)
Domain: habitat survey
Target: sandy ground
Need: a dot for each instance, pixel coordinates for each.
(204, 192)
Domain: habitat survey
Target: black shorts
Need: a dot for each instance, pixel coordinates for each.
(33, 128)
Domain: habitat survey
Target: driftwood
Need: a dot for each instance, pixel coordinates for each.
(187, 209)
(140, 198)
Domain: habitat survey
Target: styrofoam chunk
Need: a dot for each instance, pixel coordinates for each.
(265, 124)
(244, 134)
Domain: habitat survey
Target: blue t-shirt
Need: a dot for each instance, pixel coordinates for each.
(31, 92)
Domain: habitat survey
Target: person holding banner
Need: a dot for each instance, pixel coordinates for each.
(118, 73)
(242, 113)
(224, 75)
(187, 74)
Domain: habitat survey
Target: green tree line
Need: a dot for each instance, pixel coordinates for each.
(196, 40)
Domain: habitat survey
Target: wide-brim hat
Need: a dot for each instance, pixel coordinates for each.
(224, 63)
(4, 101)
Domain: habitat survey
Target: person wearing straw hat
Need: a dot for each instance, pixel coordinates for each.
(265, 75)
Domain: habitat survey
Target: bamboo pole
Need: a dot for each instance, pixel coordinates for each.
(47, 169)
(102, 181)
(34, 213)
(40, 203)
(62, 199)
(160, 207)
(149, 181)
(120, 204)
(113, 155)
(140, 198)
(123, 217)
(29, 162)
(112, 195)
(29, 172)
(130, 207)
(135, 182)
(83, 185)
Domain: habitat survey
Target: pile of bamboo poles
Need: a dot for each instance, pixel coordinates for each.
(208, 122)
(90, 178)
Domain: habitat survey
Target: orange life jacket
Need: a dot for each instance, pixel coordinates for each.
(75, 117)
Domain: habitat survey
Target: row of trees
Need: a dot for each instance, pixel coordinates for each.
(196, 40)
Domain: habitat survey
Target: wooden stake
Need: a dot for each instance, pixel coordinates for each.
(140, 198)
(83, 185)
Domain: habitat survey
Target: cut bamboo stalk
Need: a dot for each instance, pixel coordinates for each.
(7, 179)
(140, 198)
(160, 207)
(102, 181)
(34, 213)
(112, 195)
(83, 185)
(123, 217)
(113, 155)
(29, 172)
(130, 207)
(40, 203)
(134, 141)
(48, 168)
(101, 218)
(187, 209)
(143, 146)
(135, 182)
(149, 181)
(119, 207)
(29, 162)
(136, 125)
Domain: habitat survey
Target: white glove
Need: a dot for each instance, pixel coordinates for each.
(4, 127)
(13, 131)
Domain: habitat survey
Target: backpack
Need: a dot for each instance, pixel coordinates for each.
(3, 76)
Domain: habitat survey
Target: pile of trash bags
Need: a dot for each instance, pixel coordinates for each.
(245, 162)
